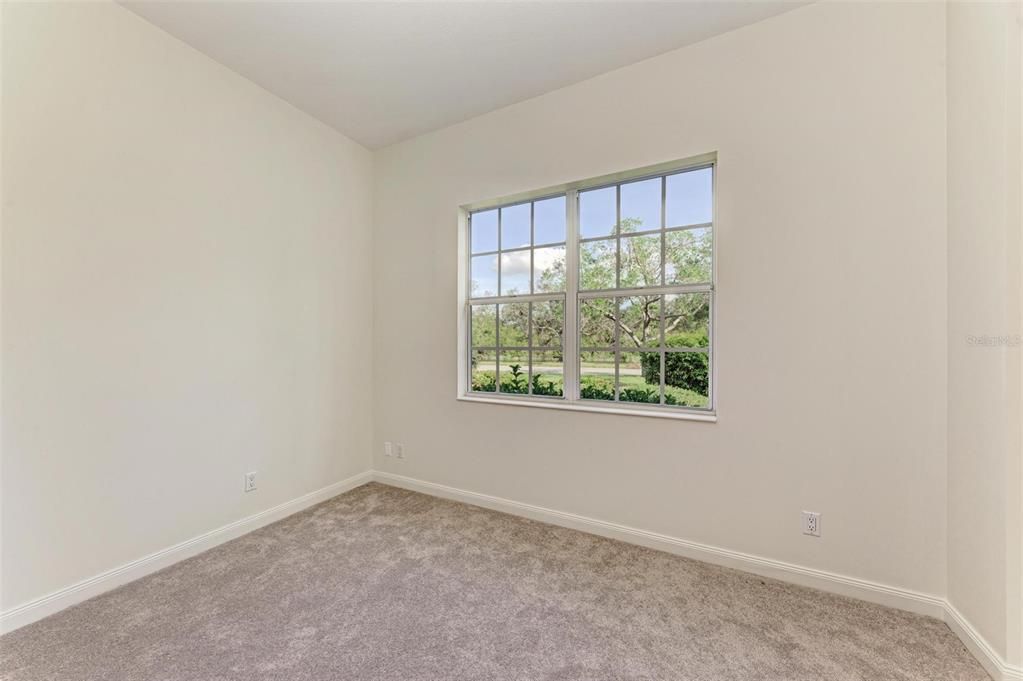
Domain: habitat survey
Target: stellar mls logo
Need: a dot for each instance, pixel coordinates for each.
(994, 341)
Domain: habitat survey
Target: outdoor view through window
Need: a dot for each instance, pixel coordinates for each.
(628, 265)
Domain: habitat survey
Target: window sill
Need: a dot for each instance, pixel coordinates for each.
(595, 408)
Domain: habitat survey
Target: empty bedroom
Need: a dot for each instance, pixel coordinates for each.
(511, 340)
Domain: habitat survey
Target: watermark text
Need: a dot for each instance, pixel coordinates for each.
(1012, 340)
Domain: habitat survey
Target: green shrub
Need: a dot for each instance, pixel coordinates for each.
(592, 388)
(647, 395)
(484, 382)
(541, 387)
(516, 382)
(686, 370)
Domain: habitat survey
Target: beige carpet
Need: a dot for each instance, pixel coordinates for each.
(381, 583)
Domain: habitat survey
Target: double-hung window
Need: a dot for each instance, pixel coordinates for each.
(596, 295)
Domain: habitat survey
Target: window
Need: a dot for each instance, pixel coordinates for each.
(596, 295)
(517, 298)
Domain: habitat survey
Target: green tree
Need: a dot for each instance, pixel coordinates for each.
(484, 325)
(687, 260)
(636, 320)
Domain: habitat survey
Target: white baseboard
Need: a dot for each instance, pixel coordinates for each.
(903, 599)
(999, 669)
(874, 592)
(895, 597)
(41, 607)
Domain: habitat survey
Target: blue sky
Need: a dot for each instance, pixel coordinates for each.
(688, 201)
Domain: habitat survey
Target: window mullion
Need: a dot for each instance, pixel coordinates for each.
(570, 337)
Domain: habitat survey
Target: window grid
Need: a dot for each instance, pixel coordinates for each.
(619, 348)
(534, 348)
(529, 348)
(571, 346)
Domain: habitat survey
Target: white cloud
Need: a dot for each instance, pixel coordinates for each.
(516, 263)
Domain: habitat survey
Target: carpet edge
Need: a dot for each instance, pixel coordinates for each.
(54, 602)
(874, 592)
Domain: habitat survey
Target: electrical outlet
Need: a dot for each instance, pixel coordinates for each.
(399, 450)
(388, 449)
(812, 523)
(250, 481)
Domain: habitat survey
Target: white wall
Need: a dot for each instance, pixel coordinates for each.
(829, 123)
(984, 300)
(184, 295)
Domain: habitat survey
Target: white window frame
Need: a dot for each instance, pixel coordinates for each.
(570, 339)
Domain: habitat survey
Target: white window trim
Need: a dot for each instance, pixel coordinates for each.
(570, 332)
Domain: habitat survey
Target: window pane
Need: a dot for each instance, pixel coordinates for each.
(514, 321)
(640, 325)
(597, 376)
(484, 231)
(515, 273)
(515, 226)
(688, 255)
(641, 261)
(549, 269)
(687, 320)
(597, 323)
(548, 374)
(598, 213)
(484, 275)
(597, 264)
(483, 322)
(514, 371)
(639, 377)
(484, 371)
(641, 206)
(687, 378)
(636, 236)
(548, 323)
(689, 199)
(549, 221)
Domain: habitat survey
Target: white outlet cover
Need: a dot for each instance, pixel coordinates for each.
(812, 523)
(388, 451)
(400, 451)
(250, 481)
